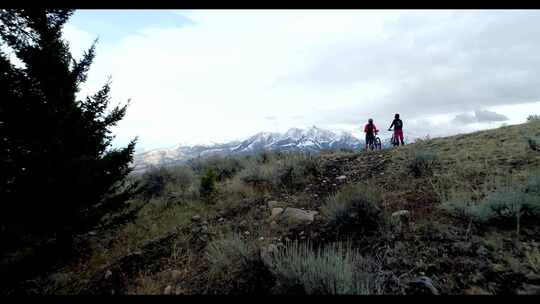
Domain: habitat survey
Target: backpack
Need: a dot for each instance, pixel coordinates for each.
(398, 124)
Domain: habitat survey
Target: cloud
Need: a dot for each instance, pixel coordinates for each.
(229, 72)
(465, 118)
(480, 116)
(489, 116)
(435, 62)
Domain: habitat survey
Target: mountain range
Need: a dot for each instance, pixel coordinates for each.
(311, 140)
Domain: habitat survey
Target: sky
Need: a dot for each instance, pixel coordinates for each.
(210, 76)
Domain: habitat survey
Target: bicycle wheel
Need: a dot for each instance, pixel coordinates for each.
(378, 143)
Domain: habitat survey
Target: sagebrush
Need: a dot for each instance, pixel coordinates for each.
(354, 208)
(331, 270)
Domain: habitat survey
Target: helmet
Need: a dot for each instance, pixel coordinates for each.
(397, 115)
(370, 120)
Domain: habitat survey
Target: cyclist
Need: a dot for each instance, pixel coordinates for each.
(398, 129)
(370, 129)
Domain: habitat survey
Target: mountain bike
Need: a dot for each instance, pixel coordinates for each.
(394, 140)
(376, 144)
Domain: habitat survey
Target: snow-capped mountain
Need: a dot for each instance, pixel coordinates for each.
(311, 140)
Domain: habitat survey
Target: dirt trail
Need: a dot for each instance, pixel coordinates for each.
(341, 170)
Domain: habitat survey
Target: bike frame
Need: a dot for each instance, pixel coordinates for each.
(377, 143)
(393, 140)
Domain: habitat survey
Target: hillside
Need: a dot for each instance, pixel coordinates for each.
(454, 215)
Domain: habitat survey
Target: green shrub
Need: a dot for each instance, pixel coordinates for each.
(227, 254)
(223, 167)
(421, 163)
(260, 175)
(534, 117)
(183, 178)
(158, 181)
(266, 157)
(154, 181)
(208, 183)
(287, 170)
(504, 205)
(533, 259)
(460, 208)
(534, 143)
(533, 183)
(354, 208)
(329, 271)
(294, 170)
(235, 267)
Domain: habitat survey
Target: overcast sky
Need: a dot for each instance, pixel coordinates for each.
(217, 75)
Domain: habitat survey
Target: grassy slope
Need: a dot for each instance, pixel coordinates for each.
(469, 165)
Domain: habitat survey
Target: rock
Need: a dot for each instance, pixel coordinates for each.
(175, 275)
(533, 277)
(499, 268)
(401, 213)
(478, 277)
(178, 291)
(274, 204)
(529, 289)
(266, 254)
(246, 232)
(401, 218)
(168, 290)
(315, 195)
(296, 215)
(92, 233)
(482, 251)
(422, 285)
(221, 220)
(475, 290)
(341, 177)
(205, 222)
(108, 274)
(276, 212)
(334, 185)
(462, 247)
(196, 218)
(243, 223)
(261, 238)
(204, 229)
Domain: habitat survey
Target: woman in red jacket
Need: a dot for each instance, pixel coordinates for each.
(371, 130)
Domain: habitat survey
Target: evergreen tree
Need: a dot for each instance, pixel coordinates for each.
(58, 172)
